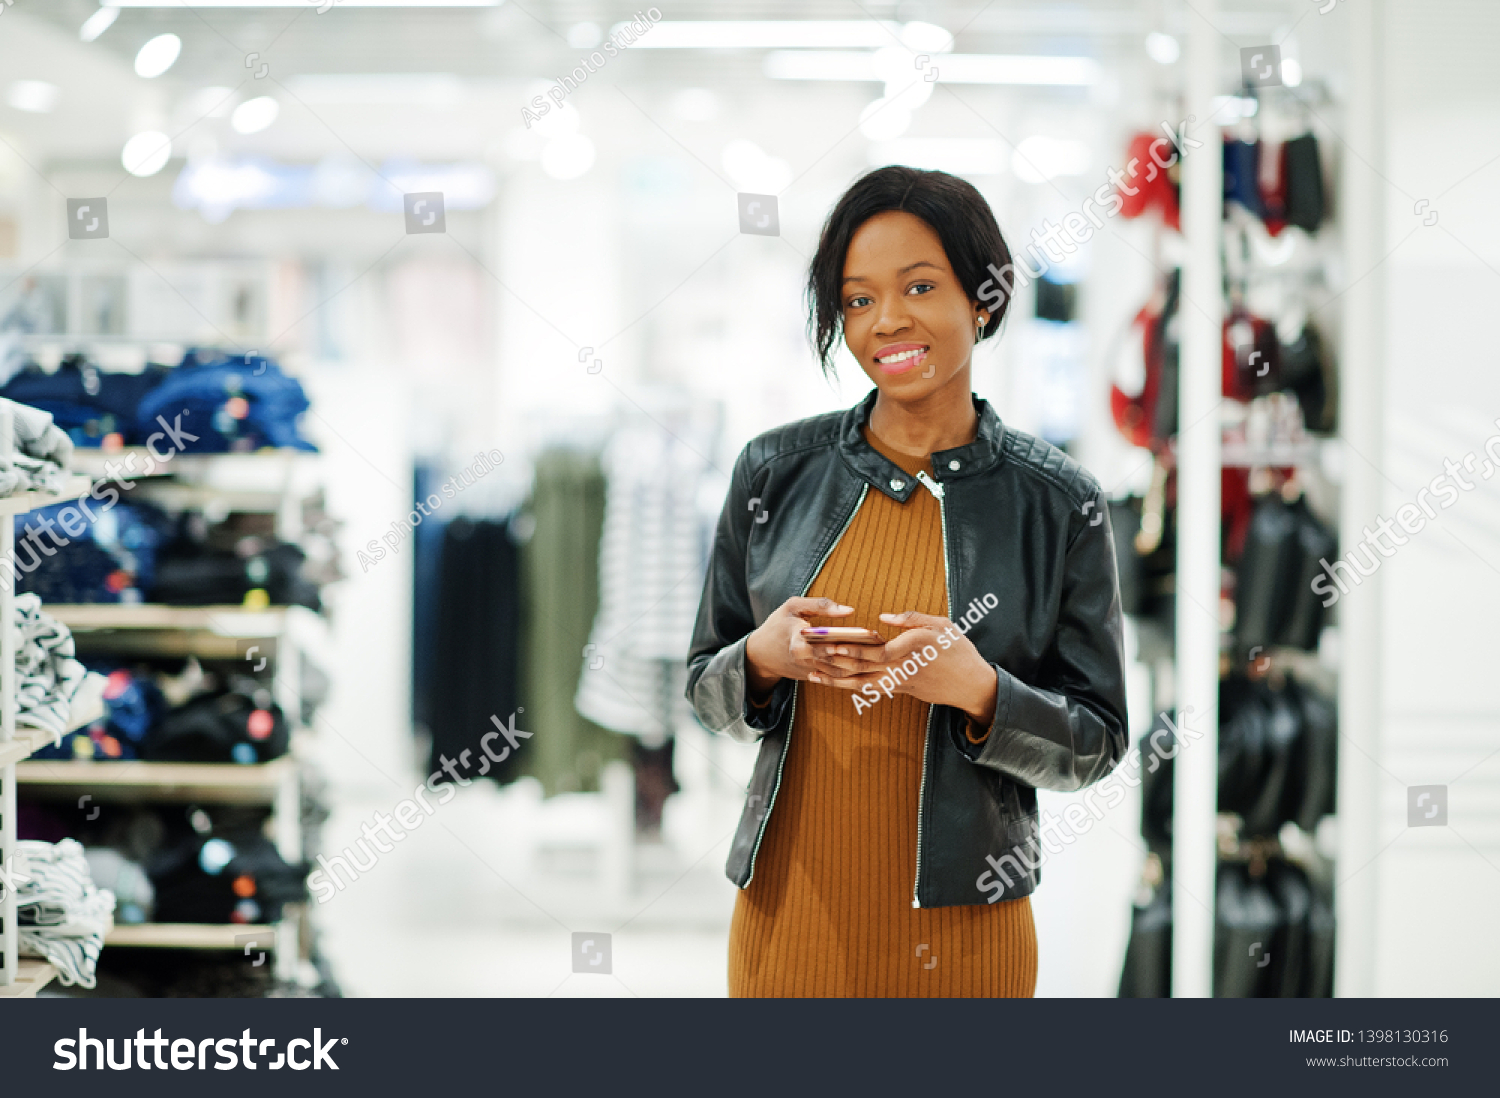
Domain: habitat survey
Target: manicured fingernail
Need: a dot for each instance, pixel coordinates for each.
(812, 678)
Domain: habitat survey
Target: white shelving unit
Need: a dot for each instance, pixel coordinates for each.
(266, 482)
(14, 745)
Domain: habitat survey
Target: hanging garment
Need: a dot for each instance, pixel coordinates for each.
(476, 639)
(560, 577)
(40, 453)
(60, 914)
(1154, 187)
(651, 564)
(1242, 175)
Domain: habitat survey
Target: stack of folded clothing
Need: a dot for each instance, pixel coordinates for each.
(94, 407)
(41, 451)
(236, 403)
(230, 402)
(230, 875)
(136, 552)
(60, 914)
(133, 703)
(48, 678)
(70, 553)
(233, 721)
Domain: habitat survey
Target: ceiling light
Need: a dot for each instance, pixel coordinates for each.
(752, 169)
(1038, 158)
(568, 157)
(36, 96)
(952, 68)
(768, 34)
(884, 120)
(1162, 48)
(926, 38)
(584, 36)
(1291, 72)
(98, 23)
(157, 55)
(146, 153)
(958, 155)
(695, 105)
(254, 115)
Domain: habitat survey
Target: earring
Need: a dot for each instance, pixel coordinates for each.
(979, 323)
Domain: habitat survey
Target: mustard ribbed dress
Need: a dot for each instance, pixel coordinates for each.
(829, 910)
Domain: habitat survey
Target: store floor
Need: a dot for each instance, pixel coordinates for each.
(484, 898)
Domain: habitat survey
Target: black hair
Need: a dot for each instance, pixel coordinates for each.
(958, 213)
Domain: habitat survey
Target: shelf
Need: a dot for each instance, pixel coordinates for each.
(135, 780)
(28, 740)
(237, 471)
(223, 621)
(32, 975)
(192, 936)
(22, 502)
(208, 632)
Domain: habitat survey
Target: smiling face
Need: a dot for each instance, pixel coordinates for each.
(906, 317)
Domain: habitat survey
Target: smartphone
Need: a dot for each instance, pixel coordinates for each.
(841, 634)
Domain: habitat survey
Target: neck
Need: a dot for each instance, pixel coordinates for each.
(942, 420)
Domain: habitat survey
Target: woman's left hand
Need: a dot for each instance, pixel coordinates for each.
(949, 669)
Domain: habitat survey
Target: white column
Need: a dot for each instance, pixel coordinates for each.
(1361, 392)
(1195, 782)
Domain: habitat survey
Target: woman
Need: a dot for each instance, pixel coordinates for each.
(890, 840)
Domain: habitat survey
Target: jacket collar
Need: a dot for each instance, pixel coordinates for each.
(873, 467)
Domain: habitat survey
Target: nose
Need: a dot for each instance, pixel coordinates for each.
(892, 316)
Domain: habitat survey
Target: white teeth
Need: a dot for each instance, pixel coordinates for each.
(902, 357)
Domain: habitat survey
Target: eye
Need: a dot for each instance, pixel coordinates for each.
(858, 302)
(921, 287)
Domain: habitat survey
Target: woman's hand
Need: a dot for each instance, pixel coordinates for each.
(932, 660)
(777, 649)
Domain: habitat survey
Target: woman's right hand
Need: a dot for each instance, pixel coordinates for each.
(777, 649)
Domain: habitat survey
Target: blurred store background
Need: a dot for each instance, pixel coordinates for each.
(470, 312)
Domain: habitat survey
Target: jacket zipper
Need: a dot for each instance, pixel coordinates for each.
(937, 490)
(792, 717)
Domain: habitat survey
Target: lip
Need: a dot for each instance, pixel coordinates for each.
(905, 364)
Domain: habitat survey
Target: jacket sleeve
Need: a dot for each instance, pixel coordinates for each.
(1068, 729)
(717, 680)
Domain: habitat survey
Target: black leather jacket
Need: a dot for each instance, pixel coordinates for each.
(1022, 522)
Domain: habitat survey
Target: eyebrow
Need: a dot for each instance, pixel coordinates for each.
(902, 271)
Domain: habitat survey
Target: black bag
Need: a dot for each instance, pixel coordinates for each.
(1273, 597)
(1147, 973)
(1303, 172)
